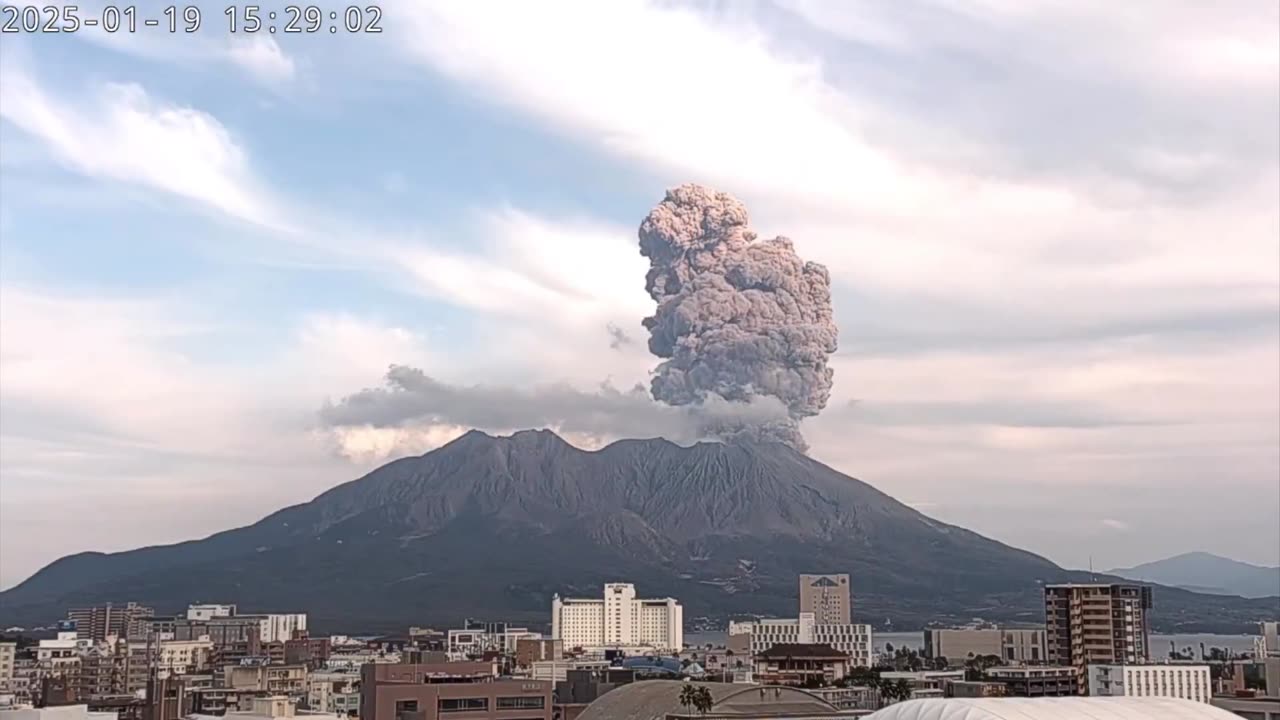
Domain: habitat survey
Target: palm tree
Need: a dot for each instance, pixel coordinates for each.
(697, 697)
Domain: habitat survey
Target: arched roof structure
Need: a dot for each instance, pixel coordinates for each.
(1056, 708)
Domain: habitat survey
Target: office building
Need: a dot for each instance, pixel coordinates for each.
(827, 597)
(754, 637)
(445, 690)
(1189, 682)
(1037, 680)
(1015, 647)
(1096, 624)
(618, 620)
(100, 621)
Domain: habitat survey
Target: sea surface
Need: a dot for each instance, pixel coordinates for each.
(1159, 643)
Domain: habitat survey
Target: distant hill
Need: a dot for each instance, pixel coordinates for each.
(492, 527)
(1208, 573)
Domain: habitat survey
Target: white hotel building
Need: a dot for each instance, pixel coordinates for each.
(618, 620)
(1189, 682)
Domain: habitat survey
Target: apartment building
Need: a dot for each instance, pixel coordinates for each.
(100, 621)
(184, 657)
(754, 637)
(1188, 682)
(208, 611)
(272, 679)
(1017, 647)
(618, 620)
(8, 654)
(1096, 624)
(334, 692)
(1037, 680)
(445, 690)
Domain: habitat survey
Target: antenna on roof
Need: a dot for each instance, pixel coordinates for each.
(1092, 577)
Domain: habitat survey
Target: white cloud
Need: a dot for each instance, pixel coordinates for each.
(1118, 525)
(118, 132)
(101, 399)
(261, 56)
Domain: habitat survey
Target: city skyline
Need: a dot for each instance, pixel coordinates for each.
(1050, 232)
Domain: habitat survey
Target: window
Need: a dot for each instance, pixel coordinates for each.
(406, 706)
(521, 703)
(463, 704)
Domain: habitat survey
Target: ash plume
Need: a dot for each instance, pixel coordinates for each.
(738, 318)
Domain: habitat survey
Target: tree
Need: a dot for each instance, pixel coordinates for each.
(888, 647)
(902, 689)
(697, 697)
(940, 663)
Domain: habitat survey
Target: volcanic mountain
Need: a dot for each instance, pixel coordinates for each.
(493, 526)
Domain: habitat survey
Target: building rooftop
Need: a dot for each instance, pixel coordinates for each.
(1052, 708)
(658, 699)
(802, 650)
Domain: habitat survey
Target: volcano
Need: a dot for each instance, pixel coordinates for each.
(494, 526)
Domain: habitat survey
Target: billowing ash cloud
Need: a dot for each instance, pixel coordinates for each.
(737, 318)
(411, 398)
(745, 327)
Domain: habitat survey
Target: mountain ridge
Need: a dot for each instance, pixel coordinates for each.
(496, 525)
(1208, 573)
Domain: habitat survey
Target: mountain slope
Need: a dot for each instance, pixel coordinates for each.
(493, 527)
(1208, 573)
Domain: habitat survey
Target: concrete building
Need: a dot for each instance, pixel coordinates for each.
(827, 597)
(1096, 623)
(271, 679)
(334, 692)
(924, 683)
(96, 623)
(974, 689)
(1270, 634)
(1020, 647)
(206, 612)
(1037, 680)
(754, 637)
(529, 651)
(477, 638)
(798, 664)
(618, 620)
(279, 627)
(65, 712)
(458, 689)
(267, 708)
(1189, 682)
(184, 657)
(8, 654)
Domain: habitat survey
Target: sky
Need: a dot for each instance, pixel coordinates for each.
(1052, 228)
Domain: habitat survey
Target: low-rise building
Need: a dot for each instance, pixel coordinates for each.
(529, 651)
(288, 680)
(1189, 682)
(974, 689)
(1037, 680)
(446, 690)
(1016, 647)
(924, 683)
(753, 637)
(1249, 707)
(798, 664)
(334, 692)
(65, 712)
(477, 638)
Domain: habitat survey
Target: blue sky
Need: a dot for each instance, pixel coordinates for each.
(1051, 226)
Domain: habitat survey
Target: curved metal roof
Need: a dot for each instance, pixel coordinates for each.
(654, 699)
(1055, 708)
